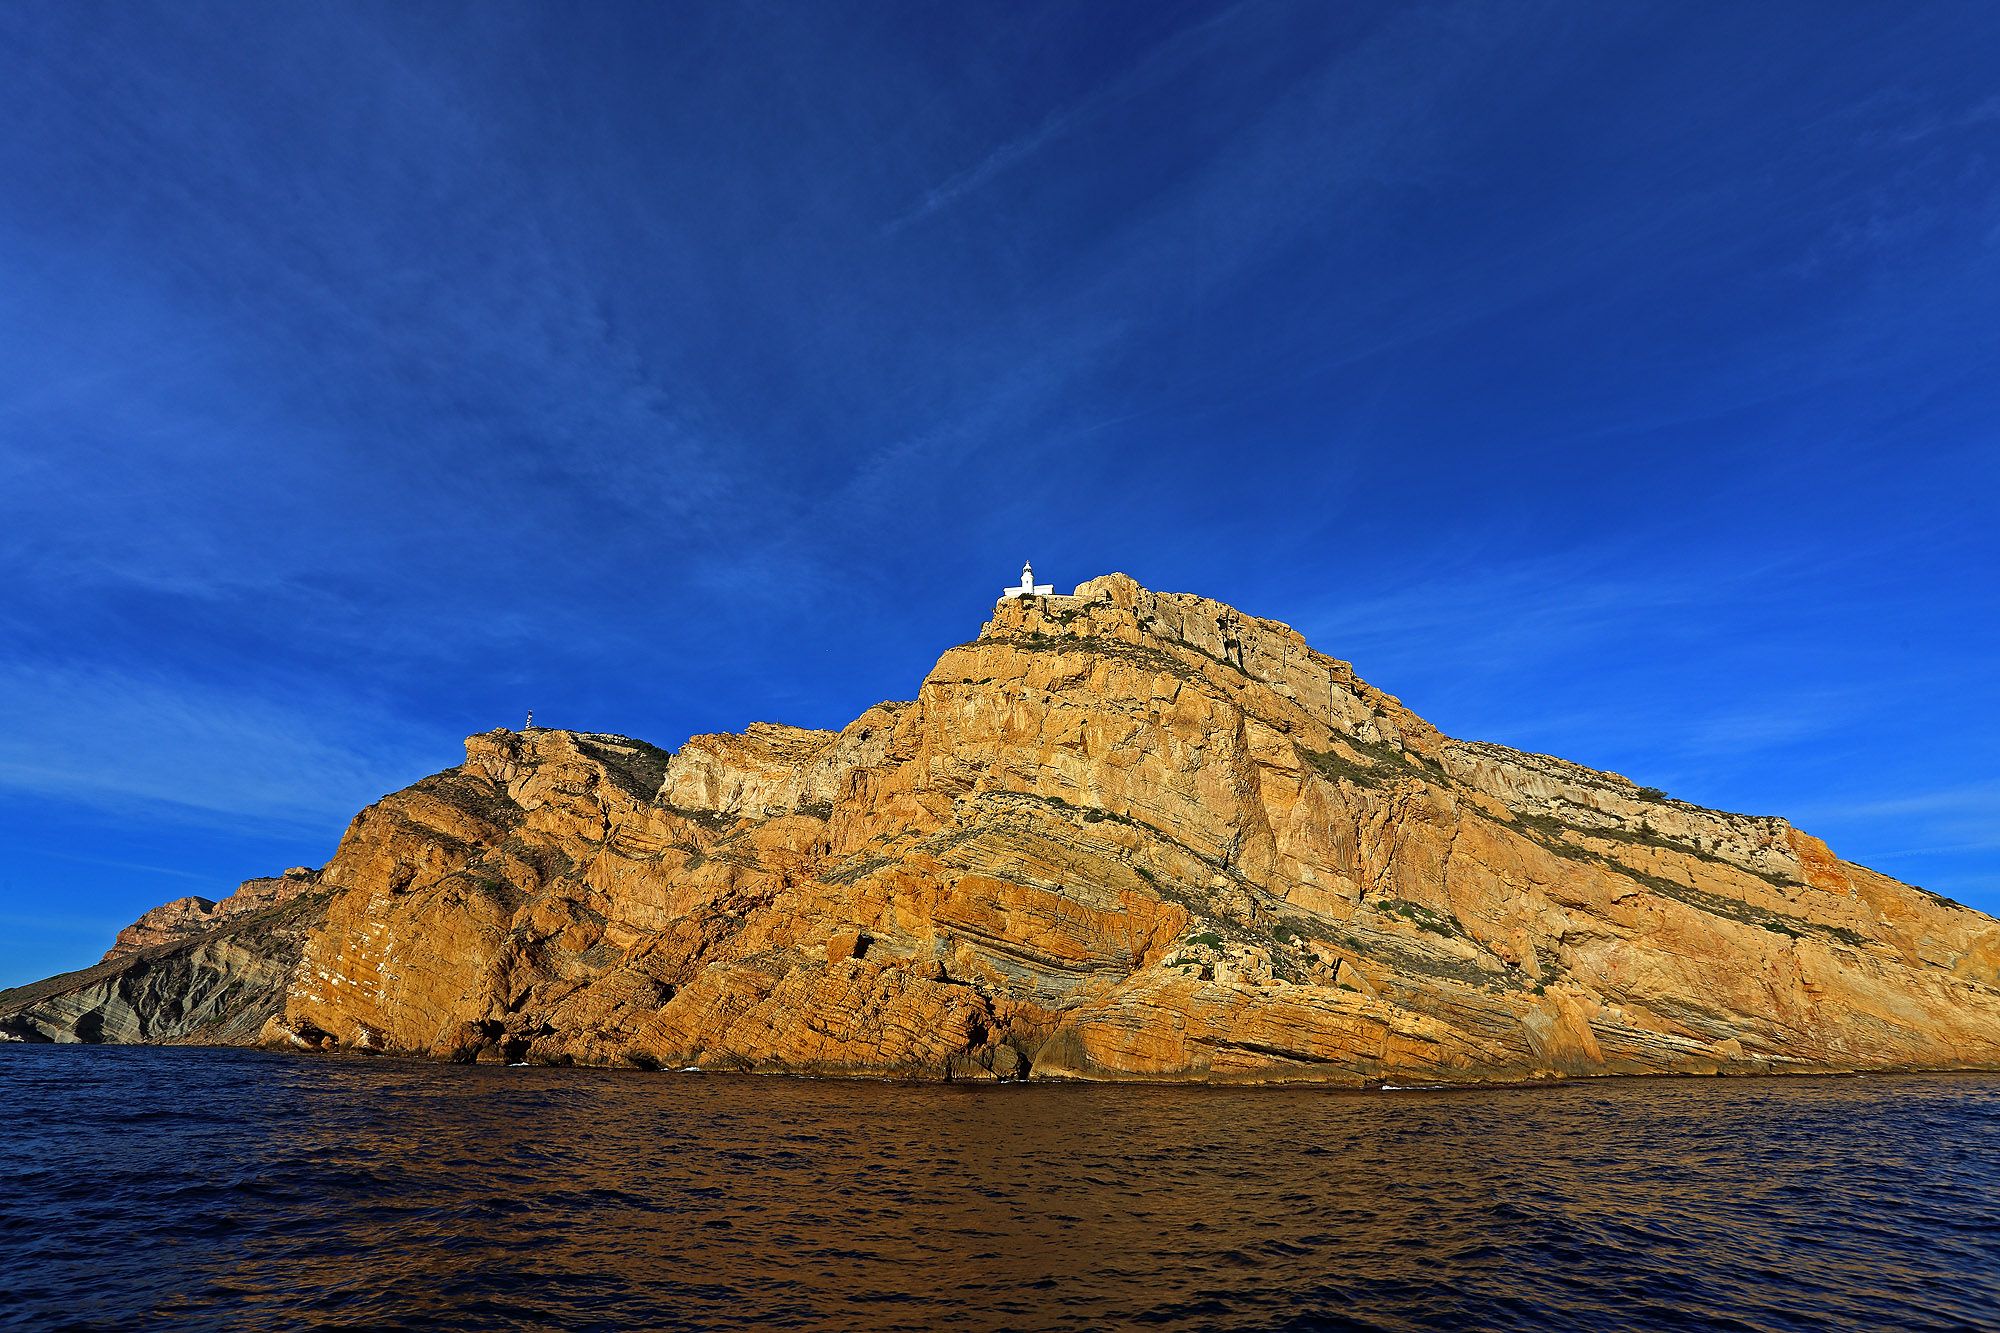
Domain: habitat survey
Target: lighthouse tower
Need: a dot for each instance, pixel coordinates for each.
(1029, 588)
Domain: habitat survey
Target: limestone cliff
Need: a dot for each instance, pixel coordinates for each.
(1122, 834)
(184, 918)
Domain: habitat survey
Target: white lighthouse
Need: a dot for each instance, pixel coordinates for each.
(1029, 588)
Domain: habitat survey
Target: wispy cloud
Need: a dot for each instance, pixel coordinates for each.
(97, 930)
(1166, 56)
(139, 867)
(323, 413)
(1939, 837)
(950, 191)
(1977, 800)
(202, 750)
(1476, 612)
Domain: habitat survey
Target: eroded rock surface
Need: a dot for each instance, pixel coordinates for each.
(1122, 834)
(185, 918)
(227, 985)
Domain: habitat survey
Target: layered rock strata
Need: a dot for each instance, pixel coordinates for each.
(226, 985)
(184, 918)
(1121, 835)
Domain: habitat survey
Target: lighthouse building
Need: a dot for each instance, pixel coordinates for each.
(1029, 588)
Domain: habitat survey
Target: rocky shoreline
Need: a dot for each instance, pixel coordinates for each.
(1120, 835)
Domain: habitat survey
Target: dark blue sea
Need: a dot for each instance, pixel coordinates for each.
(234, 1189)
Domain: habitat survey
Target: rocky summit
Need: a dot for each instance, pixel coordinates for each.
(1121, 835)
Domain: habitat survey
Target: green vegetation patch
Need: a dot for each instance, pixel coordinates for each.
(634, 766)
(855, 870)
(1379, 763)
(1647, 836)
(1137, 653)
(1423, 918)
(1547, 831)
(712, 820)
(1550, 832)
(1333, 766)
(1939, 898)
(1064, 612)
(1736, 909)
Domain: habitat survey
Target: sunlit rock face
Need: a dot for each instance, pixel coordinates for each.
(184, 918)
(1121, 835)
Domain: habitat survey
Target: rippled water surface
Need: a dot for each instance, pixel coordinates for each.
(239, 1189)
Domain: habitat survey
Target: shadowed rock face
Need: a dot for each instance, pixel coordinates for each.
(1121, 835)
(221, 986)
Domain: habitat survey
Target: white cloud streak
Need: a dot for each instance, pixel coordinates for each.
(203, 753)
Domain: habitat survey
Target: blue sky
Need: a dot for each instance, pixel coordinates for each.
(1616, 381)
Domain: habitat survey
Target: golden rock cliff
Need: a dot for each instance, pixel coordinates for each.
(1121, 835)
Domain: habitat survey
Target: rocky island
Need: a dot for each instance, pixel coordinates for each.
(1121, 835)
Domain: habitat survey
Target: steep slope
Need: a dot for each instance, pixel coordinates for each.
(184, 918)
(1120, 835)
(224, 985)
